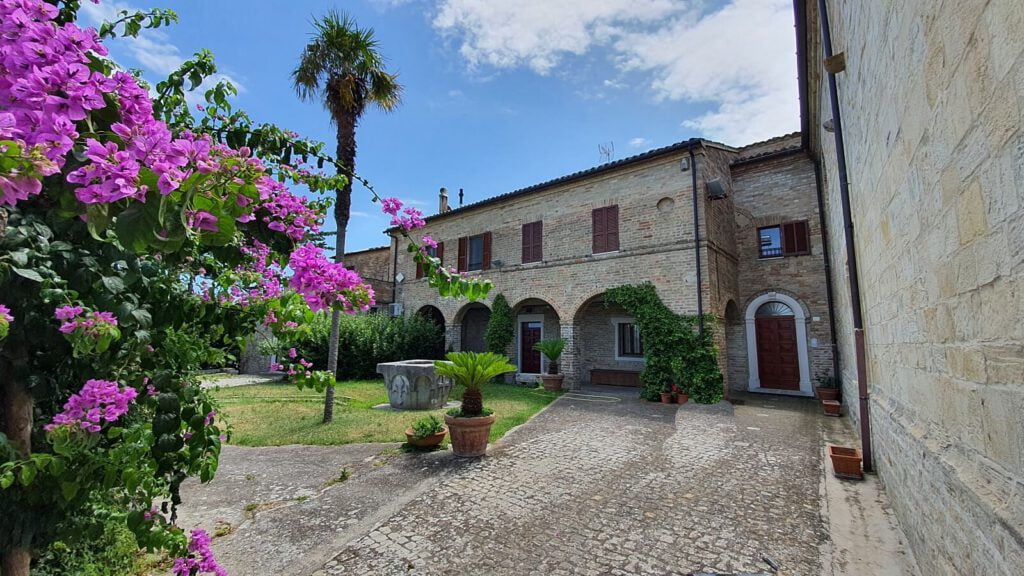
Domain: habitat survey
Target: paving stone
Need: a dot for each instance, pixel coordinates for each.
(624, 487)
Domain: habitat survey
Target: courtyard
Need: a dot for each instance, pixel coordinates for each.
(597, 483)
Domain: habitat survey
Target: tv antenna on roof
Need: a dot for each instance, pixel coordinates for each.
(606, 151)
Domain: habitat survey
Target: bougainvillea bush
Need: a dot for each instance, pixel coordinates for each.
(137, 236)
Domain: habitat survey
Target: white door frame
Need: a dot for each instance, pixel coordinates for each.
(519, 339)
(754, 382)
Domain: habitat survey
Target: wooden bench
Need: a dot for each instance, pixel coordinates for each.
(615, 377)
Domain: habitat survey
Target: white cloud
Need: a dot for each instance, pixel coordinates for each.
(740, 58)
(152, 49)
(639, 142)
(359, 214)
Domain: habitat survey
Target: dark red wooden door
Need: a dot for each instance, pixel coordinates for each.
(778, 363)
(529, 334)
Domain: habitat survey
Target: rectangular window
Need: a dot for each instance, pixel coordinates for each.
(475, 252)
(533, 242)
(629, 343)
(605, 229)
(789, 239)
(435, 252)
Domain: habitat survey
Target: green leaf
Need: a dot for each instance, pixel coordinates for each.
(27, 273)
(143, 317)
(28, 473)
(20, 257)
(6, 479)
(68, 490)
(113, 284)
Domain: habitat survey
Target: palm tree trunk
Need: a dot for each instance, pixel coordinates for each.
(16, 408)
(346, 153)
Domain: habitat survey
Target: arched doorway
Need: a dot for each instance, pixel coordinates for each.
(777, 345)
(435, 315)
(535, 320)
(473, 319)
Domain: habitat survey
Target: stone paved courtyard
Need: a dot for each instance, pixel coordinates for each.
(609, 485)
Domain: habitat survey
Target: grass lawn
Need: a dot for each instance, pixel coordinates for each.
(277, 414)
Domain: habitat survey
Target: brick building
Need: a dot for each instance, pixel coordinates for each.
(374, 266)
(553, 249)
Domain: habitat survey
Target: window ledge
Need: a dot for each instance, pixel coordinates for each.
(629, 358)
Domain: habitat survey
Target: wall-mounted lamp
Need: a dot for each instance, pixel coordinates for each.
(828, 125)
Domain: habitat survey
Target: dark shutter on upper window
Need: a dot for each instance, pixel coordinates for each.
(533, 242)
(487, 251)
(613, 228)
(440, 252)
(600, 238)
(605, 229)
(795, 238)
(463, 262)
(419, 270)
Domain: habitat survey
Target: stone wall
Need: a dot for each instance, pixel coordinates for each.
(932, 101)
(655, 240)
(374, 266)
(766, 193)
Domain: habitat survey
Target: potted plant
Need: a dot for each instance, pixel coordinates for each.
(826, 388)
(552, 350)
(426, 432)
(666, 394)
(845, 462)
(680, 393)
(470, 425)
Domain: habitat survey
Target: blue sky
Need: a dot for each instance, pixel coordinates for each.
(502, 94)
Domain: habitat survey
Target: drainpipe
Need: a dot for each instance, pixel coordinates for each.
(696, 244)
(851, 252)
(828, 269)
(394, 269)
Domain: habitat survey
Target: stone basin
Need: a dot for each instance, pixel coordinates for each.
(413, 385)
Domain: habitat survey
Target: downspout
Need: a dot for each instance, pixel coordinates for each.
(394, 269)
(696, 245)
(828, 270)
(851, 253)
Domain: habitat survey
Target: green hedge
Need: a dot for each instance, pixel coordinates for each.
(364, 340)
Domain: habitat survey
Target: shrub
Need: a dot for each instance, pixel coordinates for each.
(500, 331)
(368, 339)
(427, 426)
(98, 543)
(674, 350)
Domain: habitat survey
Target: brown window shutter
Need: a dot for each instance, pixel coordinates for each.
(463, 254)
(795, 240)
(612, 224)
(527, 243)
(538, 241)
(487, 250)
(803, 243)
(600, 239)
(419, 270)
(440, 252)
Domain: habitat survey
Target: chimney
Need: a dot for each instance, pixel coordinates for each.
(443, 202)
(460, 197)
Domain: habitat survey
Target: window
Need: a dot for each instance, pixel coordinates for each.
(435, 252)
(605, 229)
(789, 239)
(533, 242)
(475, 252)
(628, 344)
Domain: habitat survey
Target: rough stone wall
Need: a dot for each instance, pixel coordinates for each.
(932, 104)
(767, 193)
(374, 265)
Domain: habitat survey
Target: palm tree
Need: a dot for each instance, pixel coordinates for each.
(342, 68)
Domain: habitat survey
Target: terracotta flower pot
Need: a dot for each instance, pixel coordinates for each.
(832, 407)
(666, 398)
(427, 441)
(682, 398)
(827, 393)
(469, 435)
(845, 462)
(552, 382)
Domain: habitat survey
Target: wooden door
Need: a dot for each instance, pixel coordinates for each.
(529, 359)
(778, 361)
